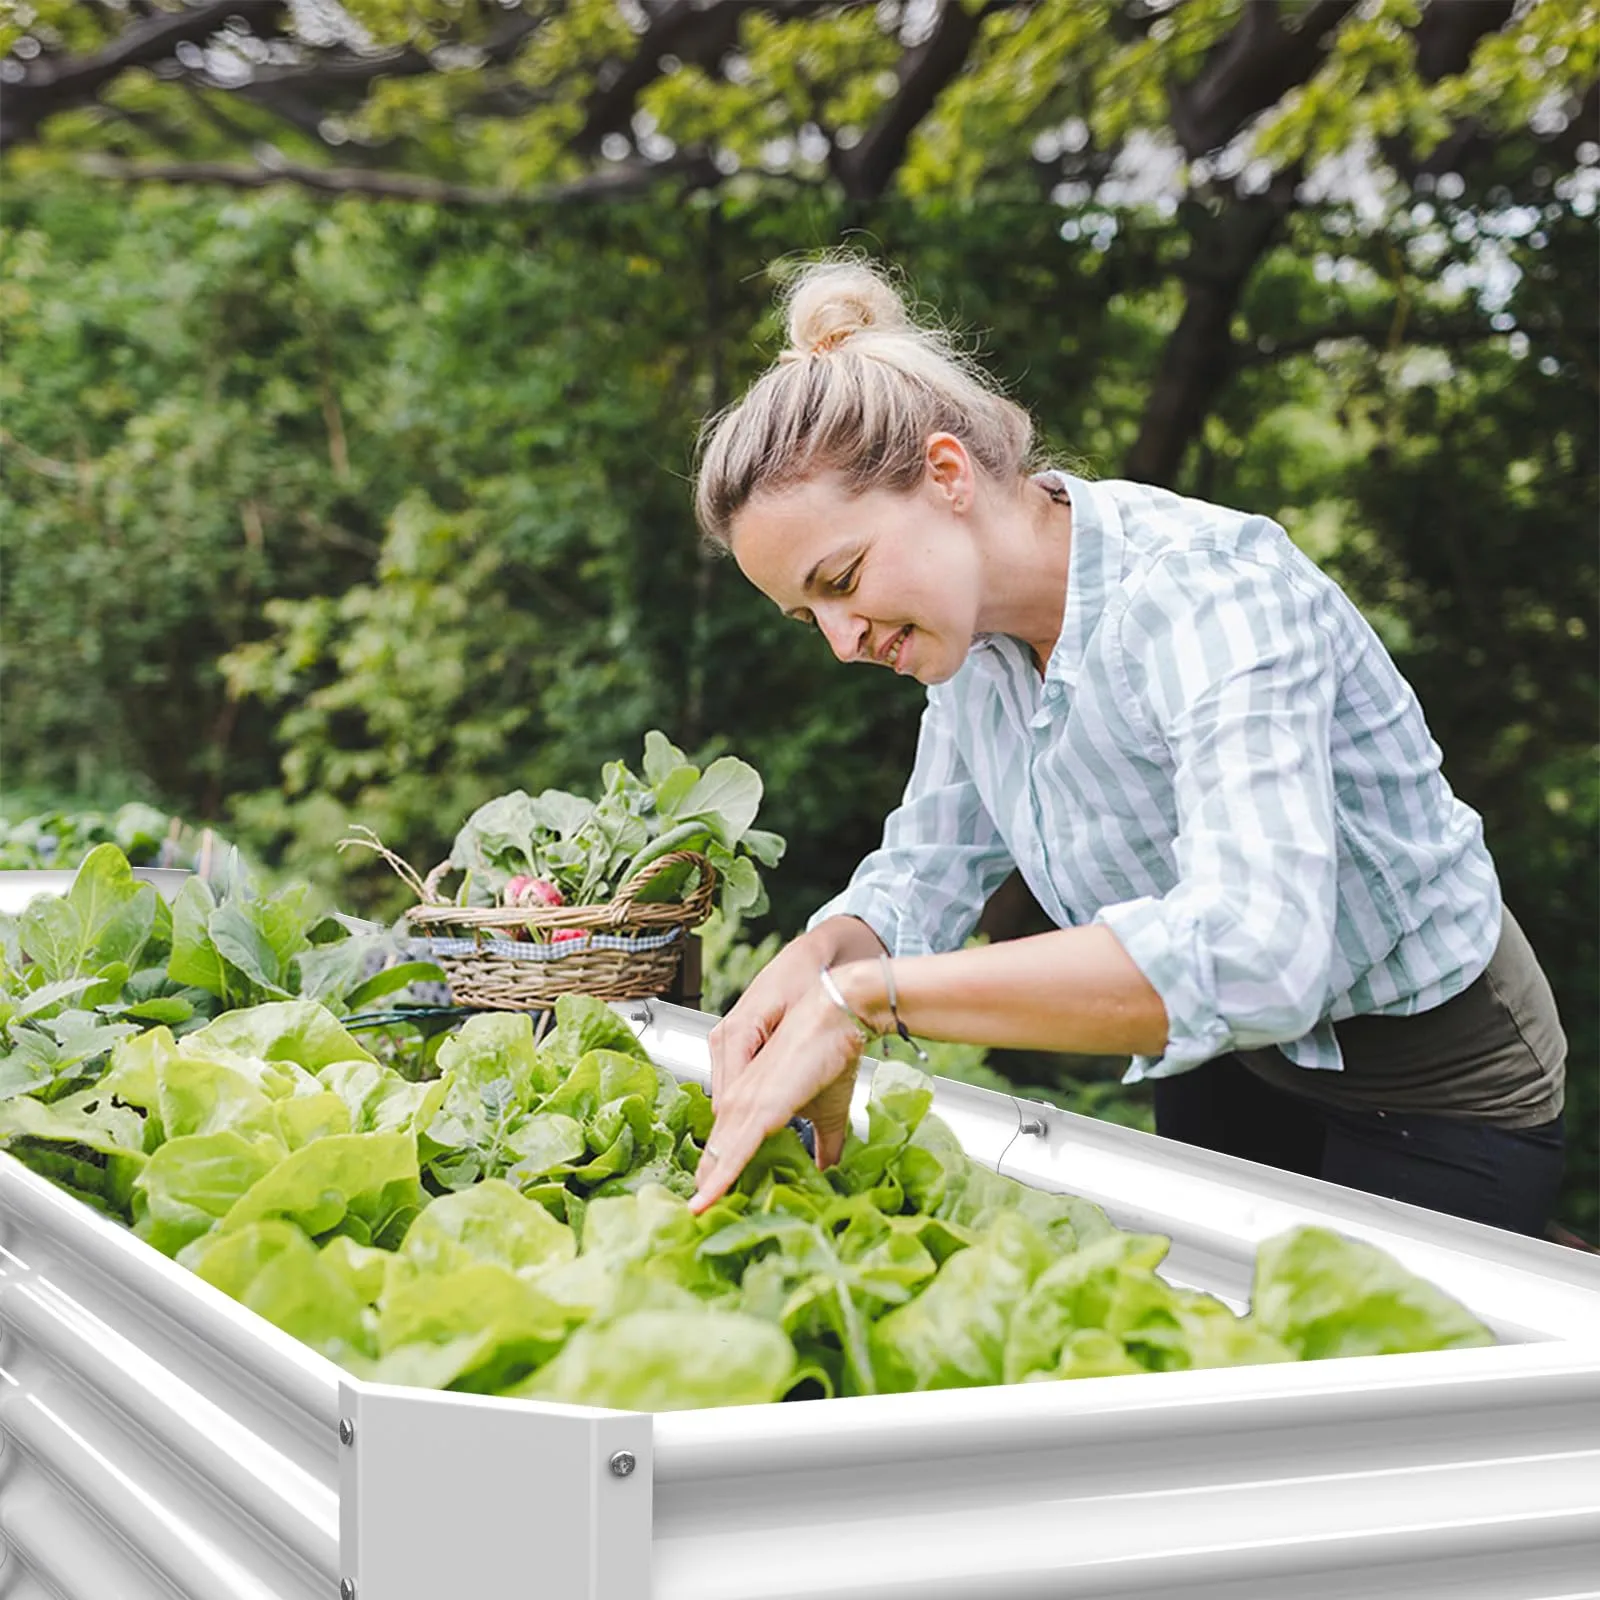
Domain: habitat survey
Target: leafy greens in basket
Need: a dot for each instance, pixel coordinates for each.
(520, 1226)
(589, 848)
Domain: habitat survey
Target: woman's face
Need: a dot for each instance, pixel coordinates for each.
(890, 579)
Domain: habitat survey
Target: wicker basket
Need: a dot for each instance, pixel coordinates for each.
(629, 949)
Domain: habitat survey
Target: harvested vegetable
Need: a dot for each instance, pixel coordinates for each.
(558, 848)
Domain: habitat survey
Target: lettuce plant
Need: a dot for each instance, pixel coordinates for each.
(83, 971)
(519, 1225)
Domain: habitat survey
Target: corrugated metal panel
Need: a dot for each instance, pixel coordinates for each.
(156, 1439)
(1338, 1478)
(159, 1442)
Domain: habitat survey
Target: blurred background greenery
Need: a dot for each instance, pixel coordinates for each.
(353, 356)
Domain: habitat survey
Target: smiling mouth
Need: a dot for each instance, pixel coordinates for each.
(890, 656)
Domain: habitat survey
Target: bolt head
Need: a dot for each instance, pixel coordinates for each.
(347, 1589)
(347, 1433)
(622, 1463)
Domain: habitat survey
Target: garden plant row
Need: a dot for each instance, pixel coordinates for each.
(480, 1209)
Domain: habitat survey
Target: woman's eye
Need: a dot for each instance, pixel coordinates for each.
(846, 580)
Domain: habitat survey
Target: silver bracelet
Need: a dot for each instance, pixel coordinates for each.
(831, 989)
(894, 1007)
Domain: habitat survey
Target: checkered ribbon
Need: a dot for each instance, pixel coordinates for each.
(523, 950)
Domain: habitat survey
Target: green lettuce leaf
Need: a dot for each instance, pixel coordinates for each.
(192, 1182)
(1324, 1295)
(275, 1270)
(954, 1333)
(669, 1361)
(363, 1184)
(301, 1031)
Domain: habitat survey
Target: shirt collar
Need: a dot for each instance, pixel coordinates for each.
(1092, 565)
(1094, 560)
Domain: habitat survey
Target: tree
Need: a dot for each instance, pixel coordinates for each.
(467, 101)
(357, 488)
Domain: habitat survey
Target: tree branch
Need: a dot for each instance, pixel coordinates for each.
(1445, 38)
(54, 83)
(1200, 356)
(611, 183)
(687, 29)
(1252, 68)
(865, 170)
(45, 466)
(306, 91)
(1258, 62)
(1450, 331)
(1446, 35)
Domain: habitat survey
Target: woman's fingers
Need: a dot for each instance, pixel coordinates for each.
(807, 1065)
(829, 1114)
(716, 1043)
(735, 1042)
(734, 1139)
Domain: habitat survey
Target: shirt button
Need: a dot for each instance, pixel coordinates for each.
(1053, 691)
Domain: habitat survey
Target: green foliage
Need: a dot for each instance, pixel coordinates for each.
(510, 95)
(174, 456)
(587, 850)
(62, 838)
(519, 1225)
(477, 572)
(82, 971)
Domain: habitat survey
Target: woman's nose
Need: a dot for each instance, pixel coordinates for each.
(844, 632)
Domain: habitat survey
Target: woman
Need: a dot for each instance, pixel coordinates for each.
(1200, 757)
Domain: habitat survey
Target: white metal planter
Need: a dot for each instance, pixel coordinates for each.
(160, 1442)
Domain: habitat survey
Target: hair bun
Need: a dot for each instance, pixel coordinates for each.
(868, 418)
(828, 302)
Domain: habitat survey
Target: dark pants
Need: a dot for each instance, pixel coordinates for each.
(1506, 1177)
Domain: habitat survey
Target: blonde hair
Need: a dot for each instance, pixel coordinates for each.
(858, 392)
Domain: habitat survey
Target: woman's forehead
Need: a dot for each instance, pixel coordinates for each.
(781, 534)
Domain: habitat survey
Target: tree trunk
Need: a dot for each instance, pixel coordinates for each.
(1199, 357)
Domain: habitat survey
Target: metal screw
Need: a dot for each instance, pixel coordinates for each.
(347, 1589)
(1034, 1125)
(347, 1434)
(622, 1463)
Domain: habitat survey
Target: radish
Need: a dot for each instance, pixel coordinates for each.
(524, 889)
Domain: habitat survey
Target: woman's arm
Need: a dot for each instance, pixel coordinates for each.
(1074, 990)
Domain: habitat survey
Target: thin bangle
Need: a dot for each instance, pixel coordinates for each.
(831, 989)
(894, 1008)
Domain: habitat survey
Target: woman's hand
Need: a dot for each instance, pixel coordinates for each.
(807, 1065)
(791, 974)
(785, 1047)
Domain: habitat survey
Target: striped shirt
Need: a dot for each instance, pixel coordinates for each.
(1222, 765)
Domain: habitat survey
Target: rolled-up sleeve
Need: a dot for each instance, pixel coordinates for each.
(923, 889)
(1229, 663)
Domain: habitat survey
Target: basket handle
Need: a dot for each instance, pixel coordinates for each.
(402, 868)
(622, 901)
(429, 892)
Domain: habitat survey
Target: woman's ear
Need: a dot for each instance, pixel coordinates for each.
(950, 470)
